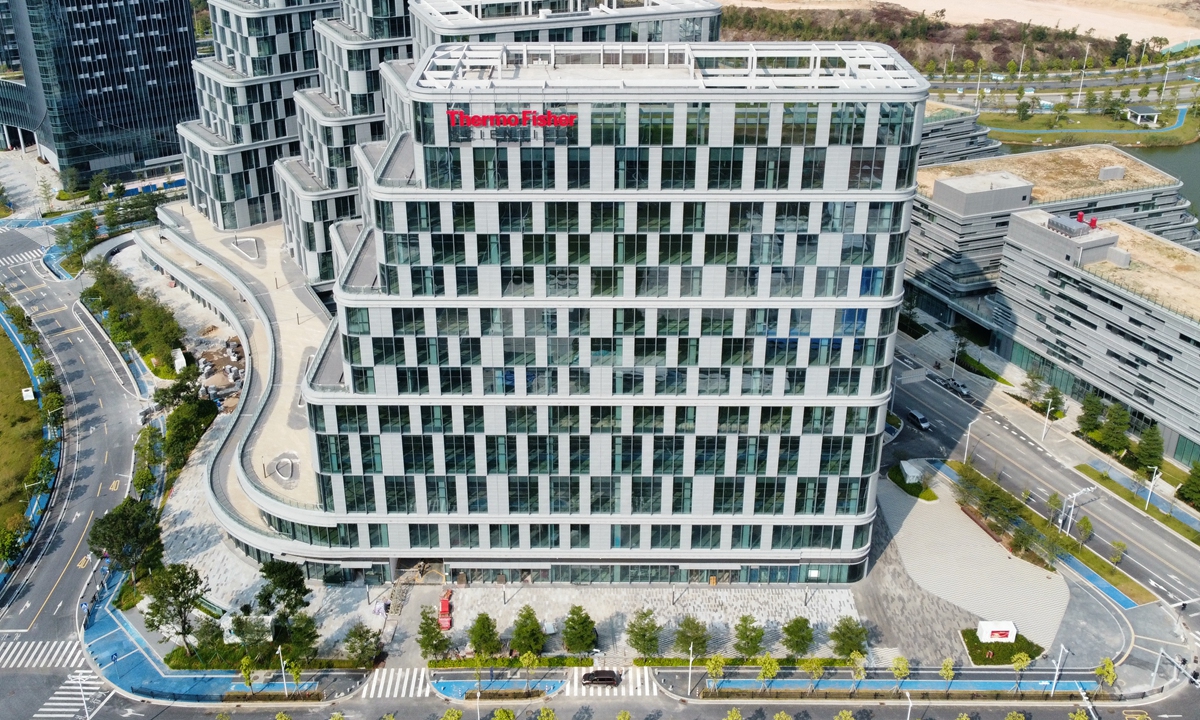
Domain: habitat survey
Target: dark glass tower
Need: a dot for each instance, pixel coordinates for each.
(105, 82)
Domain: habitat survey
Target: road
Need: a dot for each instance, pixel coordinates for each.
(39, 648)
(1158, 558)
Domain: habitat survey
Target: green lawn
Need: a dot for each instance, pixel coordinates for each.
(20, 428)
(998, 122)
(1002, 653)
(1118, 489)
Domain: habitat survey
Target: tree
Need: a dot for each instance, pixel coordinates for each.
(691, 637)
(254, 633)
(715, 666)
(128, 532)
(814, 668)
(579, 631)
(1059, 112)
(304, 636)
(483, 636)
(143, 480)
(1084, 528)
(1150, 448)
(46, 193)
(545, 714)
(246, 668)
(184, 388)
(844, 715)
(209, 635)
(296, 670)
(1024, 111)
(1078, 714)
(1054, 398)
(642, 633)
(506, 714)
(452, 714)
(797, 636)
(1112, 432)
(528, 635)
(767, 670)
(70, 180)
(1014, 715)
(781, 715)
(529, 661)
(96, 187)
(733, 714)
(1144, 91)
(1091, 101)
(748, 637)
(1120, 48)
(430, 638)
(1189, 490)
(1118, 552)
(285, 589)
(362, 644)
(1020, 661)
(947, 672)
(1089, 416)
(858, 665)
(1055, 503)
(40, 475)
(900, 670)
(176, 589)
(848, 635)
(1033, 385)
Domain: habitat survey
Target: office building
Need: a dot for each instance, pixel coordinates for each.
(1107, 308)
(962, 212)
(953, 134)
(264, 52)
(614, 313)
(102, 85)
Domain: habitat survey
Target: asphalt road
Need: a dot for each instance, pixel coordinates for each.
(39, 646)
(1158, 558)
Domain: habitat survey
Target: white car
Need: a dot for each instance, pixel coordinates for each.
(960, 388)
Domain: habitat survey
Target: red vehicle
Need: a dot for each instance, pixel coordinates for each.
(444, 611)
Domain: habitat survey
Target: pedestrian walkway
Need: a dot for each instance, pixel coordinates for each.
(1159, 500)
(19, 258)
(635, 681)
(71, 698)
(398, 683)
(34, 654)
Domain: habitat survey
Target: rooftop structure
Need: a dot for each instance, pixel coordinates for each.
(952, 133)
(1105, 307)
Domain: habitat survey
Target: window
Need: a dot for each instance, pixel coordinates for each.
(491, 168)
(850, 322)
(741, 282)
(608, 282)
(847, 123)
(772, 168)
(835, 455)
(626, 536)
(516, 216)
(564, 495)
(664, 536)
(477, 494)
(464, 536)
(768, 495)
(594, 33)
(833, 281)
(441, 494)
(678, 168)
(503, 537)
(562, 217)
(876, 281)
(501, 454)
(720, 249)
(697, 124)
(866, 168)
(745, 217)
(423, 536)
(650, 351)
(750, 123)
(581, 537)
(442, 169)
(885, 216)
(605, 495)
(747, 537)
(791, 217)
(656, 124)
(516, 281)
(728, 495)
(493, 249)
(652, 282)
(543, 536)
(797, 537)
(725, 168)
(360, 493)
(579, 168)
(362, 379)
(646, 494)
(843, 381)
(608, 124)
(537, 168)
(607, 217)
(710, 455)
(631, 249)
(781, 353)
(713, 381)
(632, 168)
(812, 172)
(523, 494)
(693, 217)
(427, 281)
(463, 214)
(895, 124)
(906, 169)
(626, 454)
(752, 454)
(799, 124)
(543, 453)
(794, 381)
(674, 249)
(399, 494)
(787, 282)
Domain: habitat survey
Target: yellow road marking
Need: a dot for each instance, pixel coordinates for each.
(64, 571)
(33, 287)
(105, 457)
(92, 379)
(116, 485)
(83, 562)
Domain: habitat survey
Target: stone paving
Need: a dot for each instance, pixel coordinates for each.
(612, 607)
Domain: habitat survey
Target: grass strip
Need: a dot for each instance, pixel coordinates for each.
(1127, 495)
(916, 489)
(970, 364)
(1001, 653)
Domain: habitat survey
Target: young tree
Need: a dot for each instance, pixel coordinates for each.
(900, 670)
(858, 666)
(1150, 448)
(1055, 503)
(1033, 385)
(643, 634)
(96, 187)
(1020, 661)
(781, 715)
(529, 662)
(1014, 715)
(70, 179)
(545, 714)
(246, 668)
(1078, 714)
(691, 636)
(1118, 552)
(1189, 491)
(452, 714)
(1084, 528)
(947, 672)
(527, 632)
(254, 633)
(733, 714)
(143, 480)
(622, 715)
(848, 635)
(430, 638)
(1106, 672)
(1055, 399)
(296, 670)
(1091, 101)
(483, 636)
(285, 589)
(175, 590)
(1024, 111)
(814, 668)
(797, 636)
(1089, 416)
(128, 532)
(844, 715)
(506, 714)
(579, 631)
(362, 644)
(304, 636)
(767, 670)
(1112, 432)
(748, 637)
(715, 666)
(46, 193)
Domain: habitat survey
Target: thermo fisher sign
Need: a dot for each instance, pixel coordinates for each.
(458, 118)
(996, 632)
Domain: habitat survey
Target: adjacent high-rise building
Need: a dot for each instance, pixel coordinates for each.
(616, 313)
(103, 84)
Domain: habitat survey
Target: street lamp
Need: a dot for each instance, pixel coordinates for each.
(909, 716)
(691, 658)
(282, 669)
(1150, 490)
(1046, 426)
(1082, 74)
(967, 444)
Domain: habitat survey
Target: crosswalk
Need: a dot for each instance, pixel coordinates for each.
(47, 654)
(68, 700)
(20, 258)
(398, 683)
(634, 681)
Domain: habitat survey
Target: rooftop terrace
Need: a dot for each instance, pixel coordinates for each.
(1159, 270)
(1056, 175)
(938, 112)
(467, 14)
(604, 67)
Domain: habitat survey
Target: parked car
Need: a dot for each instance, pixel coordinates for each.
(602, 677)
(960, 388)
(918, 418)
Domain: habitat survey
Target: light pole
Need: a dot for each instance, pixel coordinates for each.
(958, 343)
(909, 716)
(1057, 668)
(1150, 490)
(282, 669)
(1082, 74)
(691, 658)
(87, 714)
(967, 444)
(1046, 426)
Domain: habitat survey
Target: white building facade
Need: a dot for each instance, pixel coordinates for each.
(617, 313)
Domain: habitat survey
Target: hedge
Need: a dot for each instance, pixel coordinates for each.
(788, 661)
(551, 661)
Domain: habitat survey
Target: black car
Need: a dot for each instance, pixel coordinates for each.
(602, 677)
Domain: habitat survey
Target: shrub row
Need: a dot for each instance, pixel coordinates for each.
(551, 661)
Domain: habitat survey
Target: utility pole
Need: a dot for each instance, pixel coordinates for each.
(1150, 490)
(1082, 74)
(1021, 65)
(978, 82)
(967, 444)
